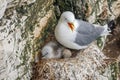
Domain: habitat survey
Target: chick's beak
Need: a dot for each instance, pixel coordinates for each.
(71, 25)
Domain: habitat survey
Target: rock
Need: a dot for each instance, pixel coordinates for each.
(116, 8)
(3, 6)
(18, 40)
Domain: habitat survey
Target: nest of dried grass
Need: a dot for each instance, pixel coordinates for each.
(88, 64)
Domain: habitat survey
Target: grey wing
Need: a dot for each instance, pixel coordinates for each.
(86, 33)
(85, 27)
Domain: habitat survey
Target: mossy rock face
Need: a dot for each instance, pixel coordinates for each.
(19, 40)
(76, 6)
(100, 11)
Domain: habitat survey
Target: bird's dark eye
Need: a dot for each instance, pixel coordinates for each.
(65, 18)
(45, 54)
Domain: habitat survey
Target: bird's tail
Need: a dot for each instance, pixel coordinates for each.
(108, 28)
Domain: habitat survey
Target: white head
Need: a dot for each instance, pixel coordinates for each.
(51, 50)
(69, 18)
(47, 52)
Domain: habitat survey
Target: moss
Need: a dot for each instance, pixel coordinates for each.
(48, 30)
(114, 71)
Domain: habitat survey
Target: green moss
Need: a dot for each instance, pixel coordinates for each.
(48, 30)
(114, 71)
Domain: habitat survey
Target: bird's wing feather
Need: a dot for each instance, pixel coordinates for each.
(84, 27)
(86, 33)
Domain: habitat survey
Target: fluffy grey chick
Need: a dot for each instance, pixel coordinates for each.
(52, 50)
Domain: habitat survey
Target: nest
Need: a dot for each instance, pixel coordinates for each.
(87, 65)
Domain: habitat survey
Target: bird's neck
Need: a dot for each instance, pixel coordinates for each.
(60, 20)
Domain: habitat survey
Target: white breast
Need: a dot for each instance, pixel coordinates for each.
(66, 36)
(63, 32)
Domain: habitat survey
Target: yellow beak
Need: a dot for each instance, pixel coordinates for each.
(71, 25)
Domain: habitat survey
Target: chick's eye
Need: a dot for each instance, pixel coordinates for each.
(45, 53)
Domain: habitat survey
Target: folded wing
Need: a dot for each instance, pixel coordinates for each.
(86, 33)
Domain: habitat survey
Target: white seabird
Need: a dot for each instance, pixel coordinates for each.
(77, 34)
